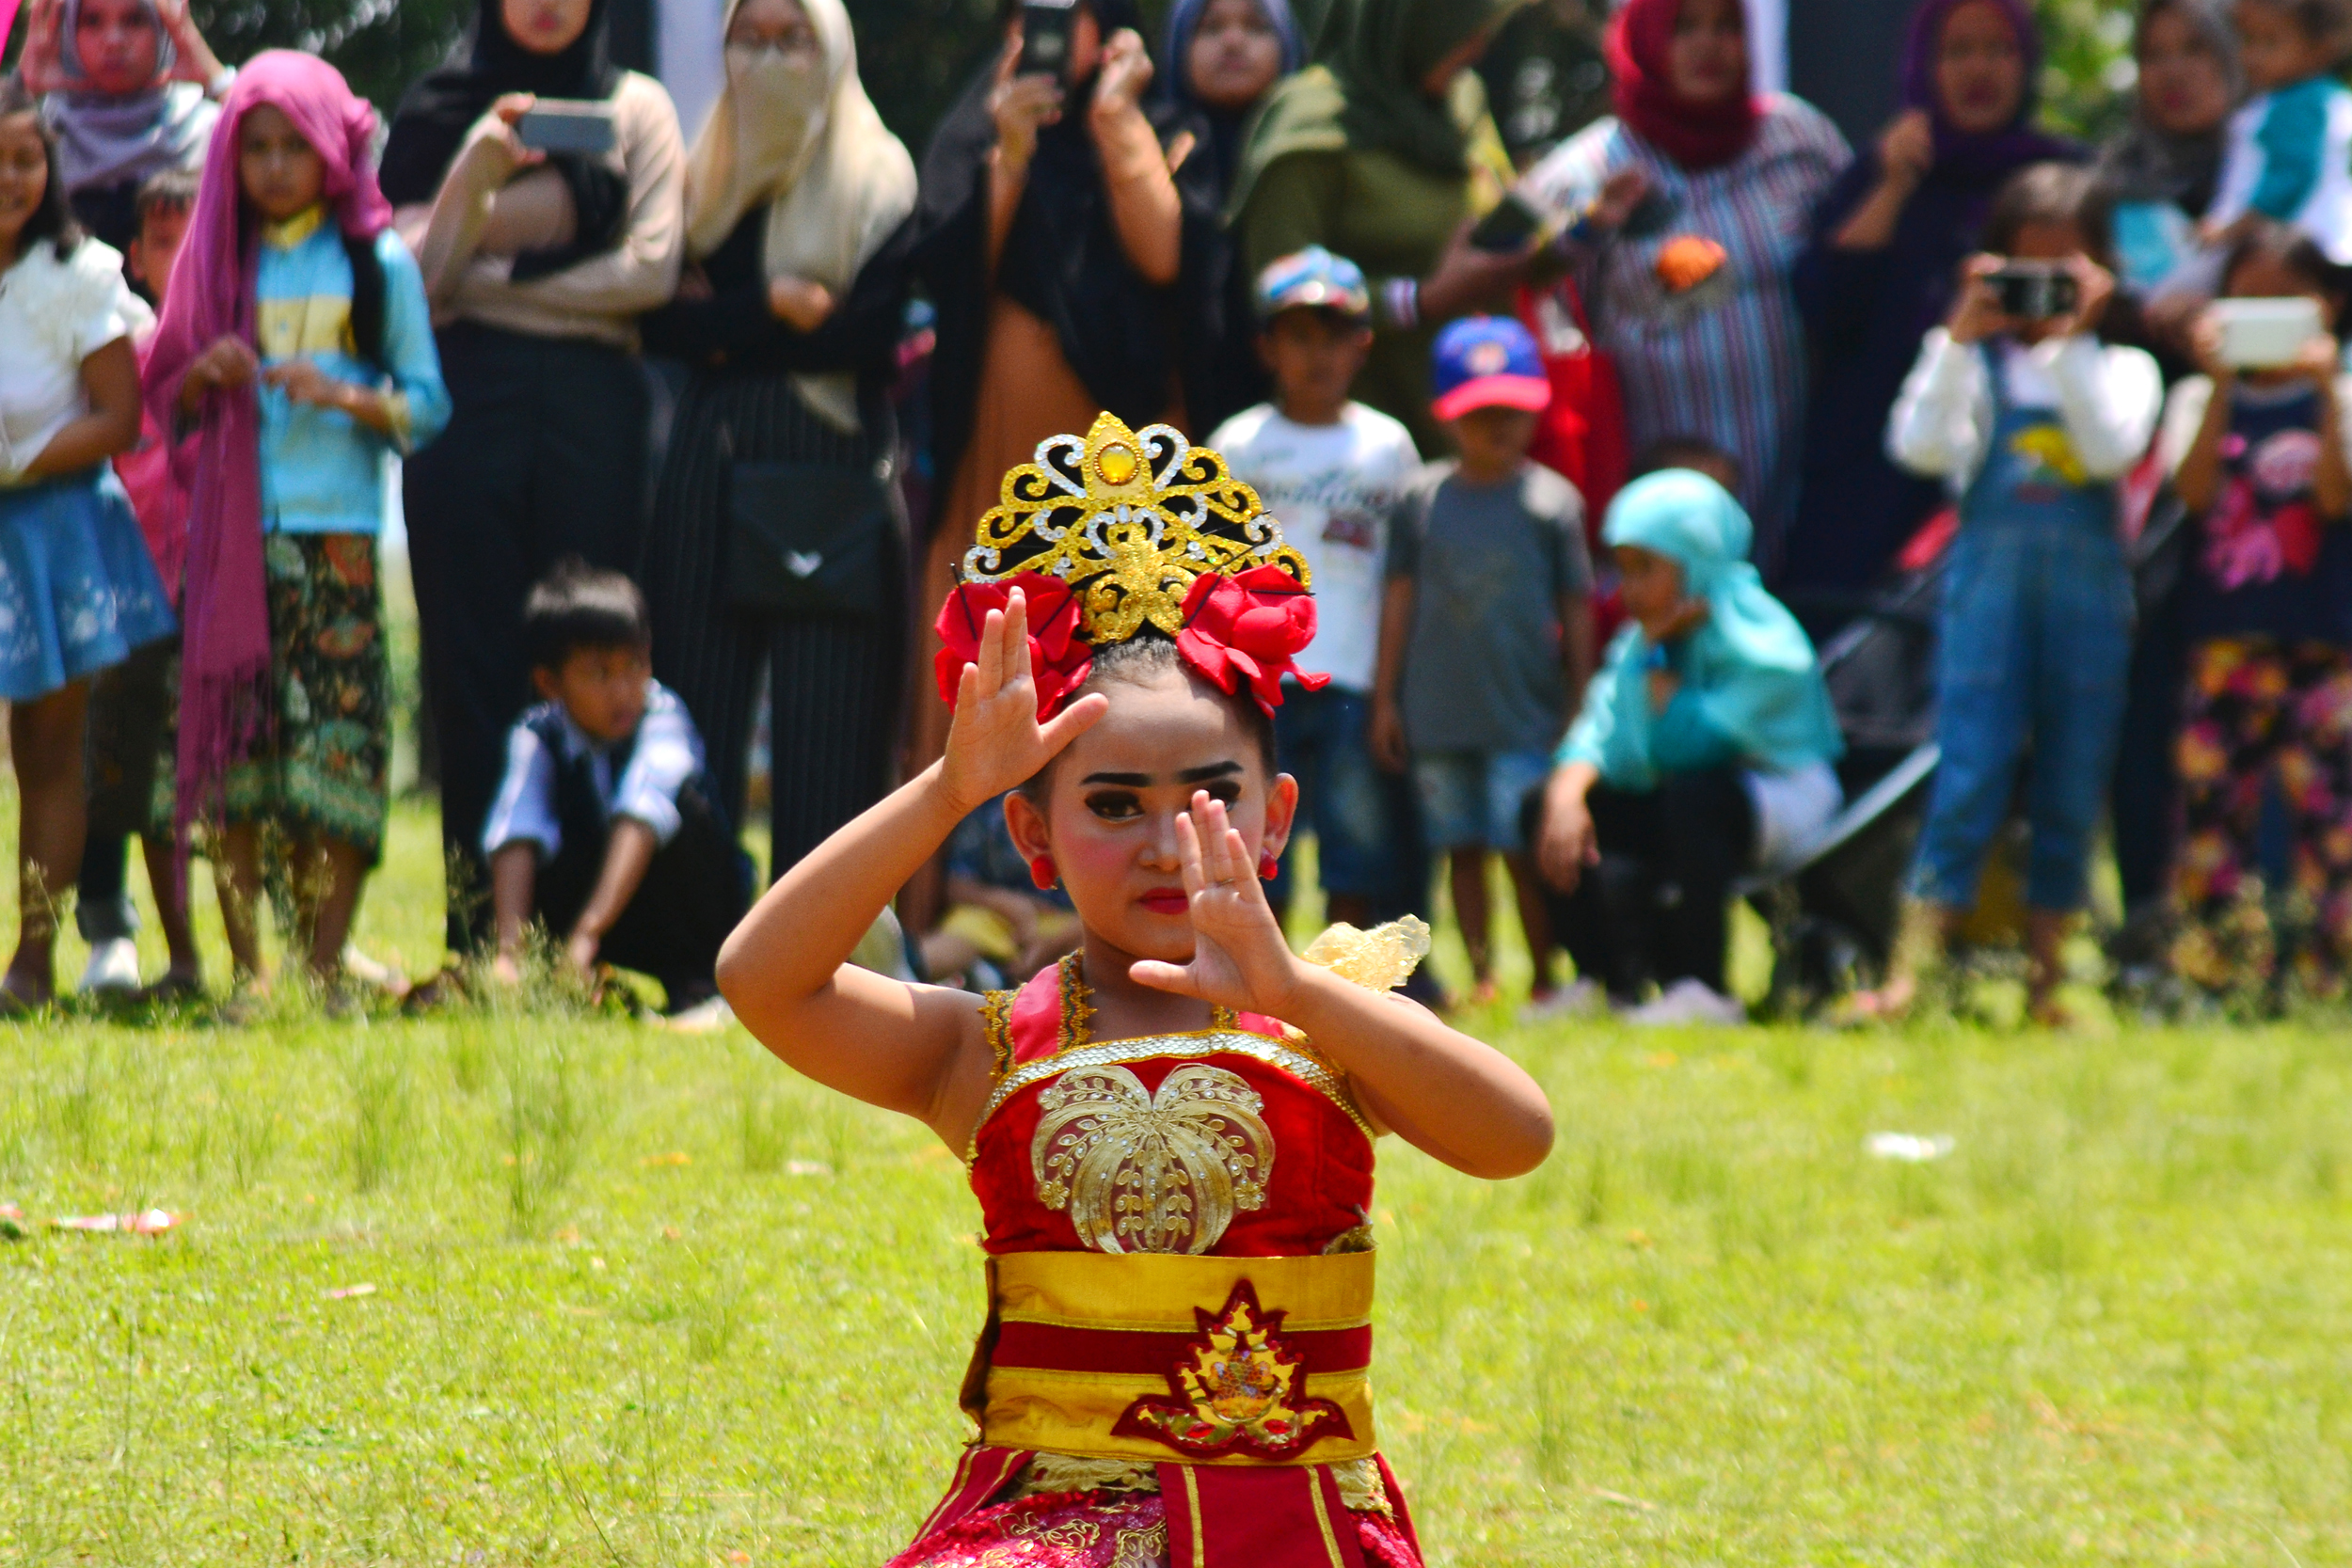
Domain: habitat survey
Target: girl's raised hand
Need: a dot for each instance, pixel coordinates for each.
(996, 741)
(1239, 959)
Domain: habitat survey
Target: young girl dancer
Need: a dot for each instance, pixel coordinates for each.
(1171, 1132)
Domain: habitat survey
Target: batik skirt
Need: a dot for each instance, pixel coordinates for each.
(321, 768)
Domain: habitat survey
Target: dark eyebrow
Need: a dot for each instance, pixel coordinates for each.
(1143, 780)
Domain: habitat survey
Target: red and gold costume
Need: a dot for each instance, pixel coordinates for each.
(1175, 1368)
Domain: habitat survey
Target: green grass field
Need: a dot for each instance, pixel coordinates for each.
(642, 1299)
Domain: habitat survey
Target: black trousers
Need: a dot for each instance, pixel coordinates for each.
(544, 457)
(1655, 908)
(2145, 800)
(833, 682)
(130, 703)
(694, 892)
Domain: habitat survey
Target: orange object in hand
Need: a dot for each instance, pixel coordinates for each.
(1687, 261)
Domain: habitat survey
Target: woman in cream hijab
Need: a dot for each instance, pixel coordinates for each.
(788, 316)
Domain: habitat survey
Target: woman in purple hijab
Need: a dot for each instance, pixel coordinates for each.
(1888, 243)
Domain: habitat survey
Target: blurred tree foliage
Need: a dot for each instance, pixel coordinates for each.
(2087, 74)
(380, 45)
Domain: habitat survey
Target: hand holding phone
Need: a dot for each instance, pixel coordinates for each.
(1509, 226)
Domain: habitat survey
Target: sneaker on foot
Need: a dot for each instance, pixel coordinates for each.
(1689, 1001)
(707, 1017)
(1577, 999)
(114, 965)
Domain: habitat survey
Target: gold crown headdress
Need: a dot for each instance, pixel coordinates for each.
(1127, 519)
(1119, 530)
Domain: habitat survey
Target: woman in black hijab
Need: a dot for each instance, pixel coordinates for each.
(1068, 238)
(539, 268)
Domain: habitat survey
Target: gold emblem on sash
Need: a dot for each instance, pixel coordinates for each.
(1144, 1172)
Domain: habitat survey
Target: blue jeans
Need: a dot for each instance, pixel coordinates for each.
(1476, 800)
(2035, 643)
(1323, 739)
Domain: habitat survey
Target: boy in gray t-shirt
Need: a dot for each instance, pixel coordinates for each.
(1485, 637)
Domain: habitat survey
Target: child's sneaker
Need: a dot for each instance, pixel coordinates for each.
(114, 965)
(1578, 999)
(1690, 1000)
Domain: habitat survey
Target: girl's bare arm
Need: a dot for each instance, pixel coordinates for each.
(920, 1049)
(110, 384)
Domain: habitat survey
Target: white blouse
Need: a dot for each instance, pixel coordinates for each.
(54, 314)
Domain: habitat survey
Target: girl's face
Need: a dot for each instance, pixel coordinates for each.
(1707, 61)
(118, 44)
(2276, 50)
(545, 26)
(279, 171)
(778, 24)
(2184, 90)
(24, 179)
(1109, 809)
(1979, 69)
(1236, 54)
(1650, 585)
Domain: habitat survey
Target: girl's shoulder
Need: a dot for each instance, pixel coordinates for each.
(80, 300)
(644, 113)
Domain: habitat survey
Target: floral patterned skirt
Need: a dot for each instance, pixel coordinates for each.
(77, 591)
(1096, 1530)
(321, 768)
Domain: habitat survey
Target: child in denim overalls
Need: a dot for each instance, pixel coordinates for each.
(2031, 421)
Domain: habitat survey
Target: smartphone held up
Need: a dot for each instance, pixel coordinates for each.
(1047, 28)
(568, 125)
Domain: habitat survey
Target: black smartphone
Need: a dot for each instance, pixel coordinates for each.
(1045, 29)
(1509, 226)
(567, 125)
(2035, 291)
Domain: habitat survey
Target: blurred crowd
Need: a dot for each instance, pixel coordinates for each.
(1626, 415)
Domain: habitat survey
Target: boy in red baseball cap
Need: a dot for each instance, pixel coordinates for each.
(1485, 637)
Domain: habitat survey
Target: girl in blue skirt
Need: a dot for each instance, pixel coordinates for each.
(77, 591)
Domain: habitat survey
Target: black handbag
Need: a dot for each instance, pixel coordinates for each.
(809, 538)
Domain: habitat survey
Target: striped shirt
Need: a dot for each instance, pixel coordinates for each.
(1726, 362)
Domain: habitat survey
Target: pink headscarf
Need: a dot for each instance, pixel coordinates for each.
(224, 671)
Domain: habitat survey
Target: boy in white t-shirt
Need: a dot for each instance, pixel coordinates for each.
(1331, 469)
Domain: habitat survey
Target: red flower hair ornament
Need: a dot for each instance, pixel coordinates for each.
(1249, 626)
(1059, 659)
(1245, 629)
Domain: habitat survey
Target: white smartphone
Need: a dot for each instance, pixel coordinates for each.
(2257, 334)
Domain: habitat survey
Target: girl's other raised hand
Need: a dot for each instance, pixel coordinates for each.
(995, 741)
(1239, 957)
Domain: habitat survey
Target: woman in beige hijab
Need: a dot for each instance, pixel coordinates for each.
(776, 540)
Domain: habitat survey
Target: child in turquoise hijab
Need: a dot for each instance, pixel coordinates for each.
(1704, 749)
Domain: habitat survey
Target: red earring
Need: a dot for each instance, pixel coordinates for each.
(1042, 872)
(1269, 867)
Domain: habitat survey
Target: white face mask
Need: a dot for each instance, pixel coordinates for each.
(791, 80)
